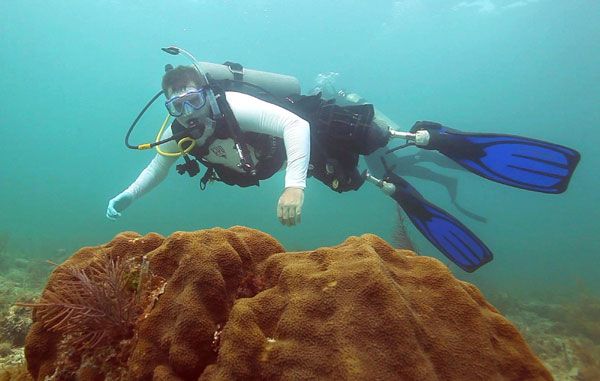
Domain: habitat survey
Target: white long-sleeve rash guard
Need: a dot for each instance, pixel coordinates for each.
(254, 115)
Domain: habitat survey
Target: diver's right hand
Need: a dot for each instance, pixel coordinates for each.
(118, 204)
(289, 207)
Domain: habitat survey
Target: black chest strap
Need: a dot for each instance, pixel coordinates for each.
(234, 131)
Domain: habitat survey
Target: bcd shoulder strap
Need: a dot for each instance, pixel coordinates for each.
(234, 130)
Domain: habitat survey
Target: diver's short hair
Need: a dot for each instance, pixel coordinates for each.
(177, 79)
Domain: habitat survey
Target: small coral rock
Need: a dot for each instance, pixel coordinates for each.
(361, 310)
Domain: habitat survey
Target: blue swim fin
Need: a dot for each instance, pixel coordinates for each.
(517, 161)
(445, 232)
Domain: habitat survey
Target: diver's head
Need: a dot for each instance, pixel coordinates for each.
(185, 94)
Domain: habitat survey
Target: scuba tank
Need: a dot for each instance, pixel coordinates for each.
(279, 85)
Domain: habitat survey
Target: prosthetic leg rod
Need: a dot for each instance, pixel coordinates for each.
(421, 137)
(387, 188)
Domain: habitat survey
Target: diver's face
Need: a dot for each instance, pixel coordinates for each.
(190, 102)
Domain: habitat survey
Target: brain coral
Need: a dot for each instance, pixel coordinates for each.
(360, 310)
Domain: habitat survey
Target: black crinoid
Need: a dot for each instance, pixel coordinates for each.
(89, 307)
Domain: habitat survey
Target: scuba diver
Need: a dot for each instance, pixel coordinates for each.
(244, 126)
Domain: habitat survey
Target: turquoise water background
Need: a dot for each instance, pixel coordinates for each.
(76, 73)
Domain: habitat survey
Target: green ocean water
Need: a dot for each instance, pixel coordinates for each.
(76, 73)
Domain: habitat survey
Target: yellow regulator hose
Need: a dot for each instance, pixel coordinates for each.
(179, 144)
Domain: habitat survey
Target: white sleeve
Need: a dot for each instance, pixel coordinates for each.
(156, 171)
(255, 115)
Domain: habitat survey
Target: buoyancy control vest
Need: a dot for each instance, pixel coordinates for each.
(339, 134)
(269, 150)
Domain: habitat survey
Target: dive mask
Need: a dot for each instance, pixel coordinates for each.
(186, 103)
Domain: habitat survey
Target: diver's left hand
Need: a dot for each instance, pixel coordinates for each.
(289, 207)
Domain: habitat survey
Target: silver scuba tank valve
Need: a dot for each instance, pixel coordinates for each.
(387, 188)
(421, 137)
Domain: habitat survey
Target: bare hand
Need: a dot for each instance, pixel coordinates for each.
(289, 207)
